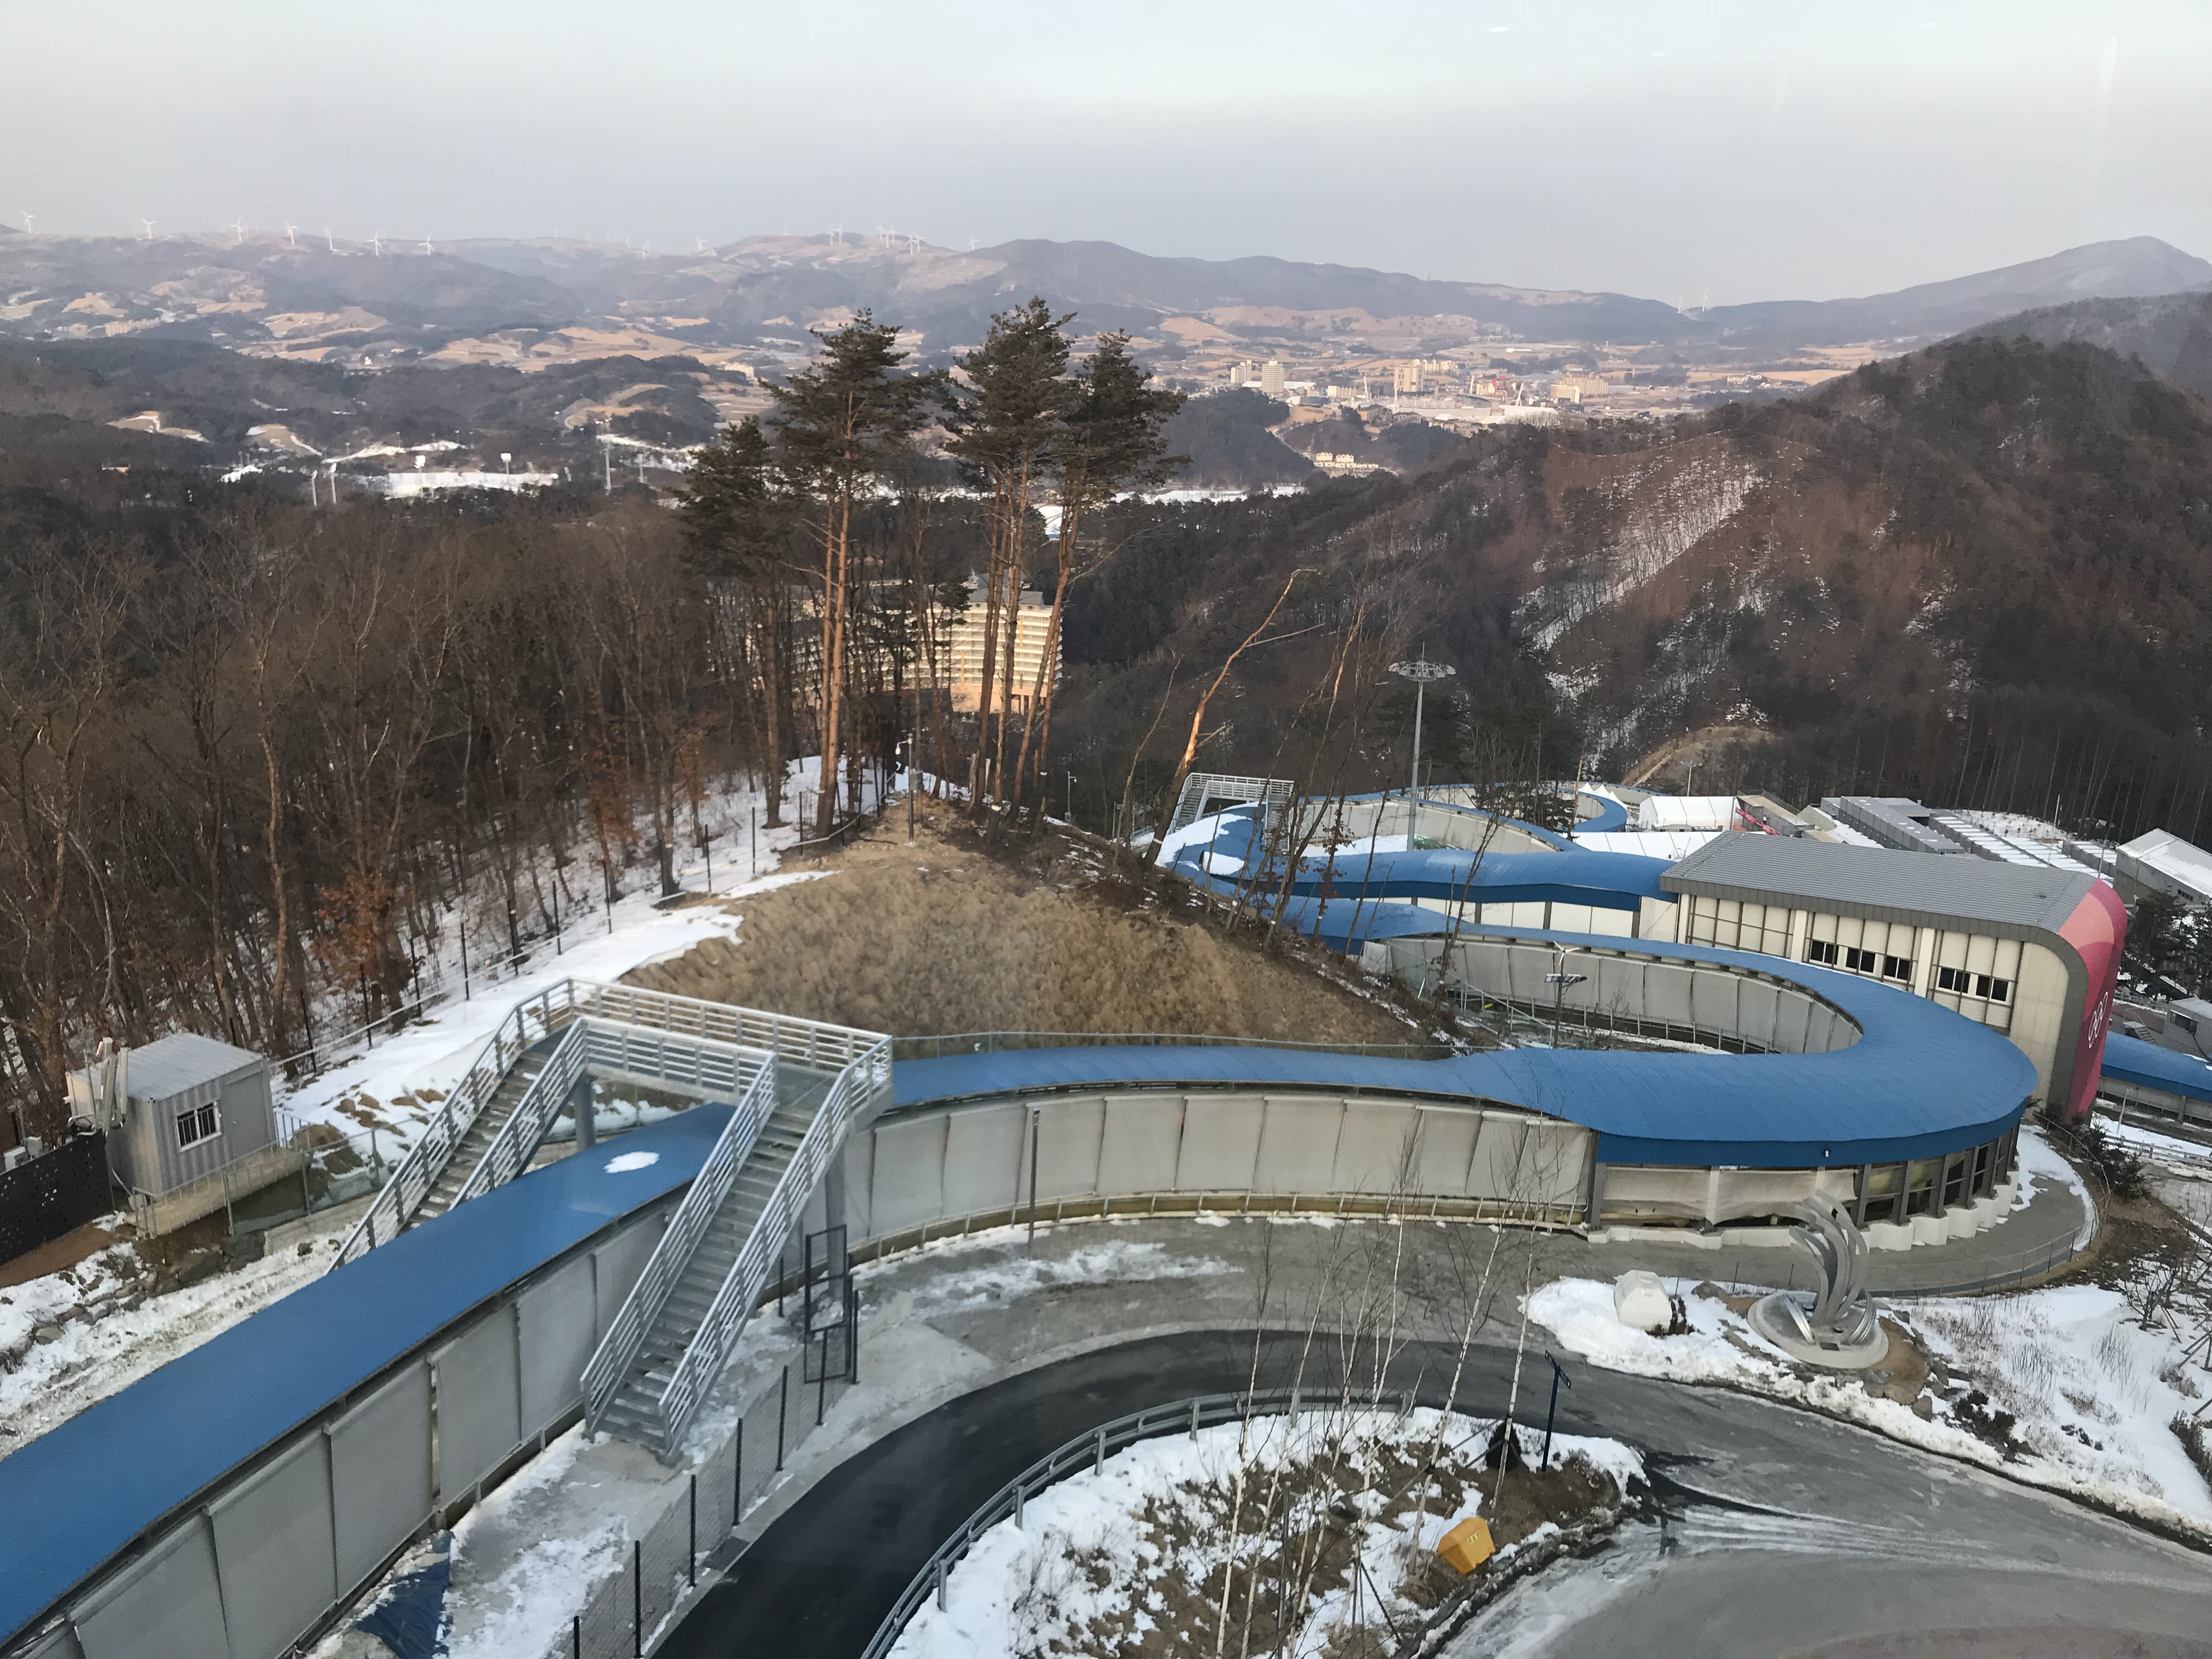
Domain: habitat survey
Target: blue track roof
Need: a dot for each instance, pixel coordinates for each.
(2130, 1060)
(75, 1496)
(1920, 1080)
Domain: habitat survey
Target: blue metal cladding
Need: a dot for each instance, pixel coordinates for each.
(79, 1493)
(2146, 1065)
(1921, 1080)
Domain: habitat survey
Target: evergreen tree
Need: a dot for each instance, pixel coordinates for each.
(740, 512)
(1111, 444)
(842, 424)
(1007, 427)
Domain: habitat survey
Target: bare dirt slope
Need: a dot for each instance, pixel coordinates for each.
(944, 935)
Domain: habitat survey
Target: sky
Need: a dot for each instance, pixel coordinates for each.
(1692, 153)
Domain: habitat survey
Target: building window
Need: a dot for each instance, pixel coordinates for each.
(1897, 967)
(196, 1124)
(1861, 962)
(1997, 990)
(1953, 979)
(1820, 950)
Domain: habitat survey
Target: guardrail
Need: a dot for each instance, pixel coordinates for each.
(1182, 1417)
(797, 1041)
(524, 1024)
(518, 1139)
(992, 1042)
(617, 1352)
(868, 1076)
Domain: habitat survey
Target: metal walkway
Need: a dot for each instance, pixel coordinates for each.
(798, 1086)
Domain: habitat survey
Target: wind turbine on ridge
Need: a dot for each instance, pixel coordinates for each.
(290, 239)
(28, 231)
(149, 223)
(237, 231)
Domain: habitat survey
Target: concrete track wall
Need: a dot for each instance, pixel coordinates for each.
(1001, 1155)
(255, 1565)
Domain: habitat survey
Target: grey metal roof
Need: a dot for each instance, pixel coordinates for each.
(1893, 820)
(183, 1061)
(1880, 883)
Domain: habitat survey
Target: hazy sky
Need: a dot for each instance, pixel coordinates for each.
(1739, 151)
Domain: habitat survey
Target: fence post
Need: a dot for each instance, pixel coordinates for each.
(738, 1476)
(1100, 1467)
(940, 1583)
(576, 1637)
(782, 1400)
(693, 1559)
(637, 1598)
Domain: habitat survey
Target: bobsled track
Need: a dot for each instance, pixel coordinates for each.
(237, 1500)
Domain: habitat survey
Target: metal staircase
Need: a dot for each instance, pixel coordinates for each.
(674, 1334)
(487, 1130)
(799, 1085)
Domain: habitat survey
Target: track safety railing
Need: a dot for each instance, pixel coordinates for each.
(993, 1042)
(858, 1086)
(1092, 1449)
(618, 1351)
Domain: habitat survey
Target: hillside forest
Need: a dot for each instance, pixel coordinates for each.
(261, 759)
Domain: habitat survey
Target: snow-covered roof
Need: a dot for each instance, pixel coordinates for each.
(2182, 863)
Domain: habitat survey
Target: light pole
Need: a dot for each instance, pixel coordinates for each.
(1558, 979)
(1423, 674)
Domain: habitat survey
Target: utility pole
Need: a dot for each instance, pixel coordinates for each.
(1423, 674)
(1559, 979)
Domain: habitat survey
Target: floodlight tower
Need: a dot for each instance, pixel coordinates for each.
(1424, 674)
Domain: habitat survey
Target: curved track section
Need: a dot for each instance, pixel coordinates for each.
(1896, 1542)
(1867, 1075)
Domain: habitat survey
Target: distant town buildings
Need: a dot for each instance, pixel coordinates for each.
(1271, 378)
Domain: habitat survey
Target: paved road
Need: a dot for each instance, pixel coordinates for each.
(1774, 1513)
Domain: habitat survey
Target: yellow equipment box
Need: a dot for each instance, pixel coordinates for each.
(1466, 1546)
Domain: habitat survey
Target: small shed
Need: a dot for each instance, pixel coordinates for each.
(190, 1125)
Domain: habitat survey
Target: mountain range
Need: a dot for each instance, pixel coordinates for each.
(527, 302)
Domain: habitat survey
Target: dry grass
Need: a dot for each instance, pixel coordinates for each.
(948, 935)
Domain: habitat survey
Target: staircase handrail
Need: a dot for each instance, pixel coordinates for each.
(868, 1076)
(618, 1349)
(418, 1171)
(519, 1137)
(800, 1041)
(810, 1042)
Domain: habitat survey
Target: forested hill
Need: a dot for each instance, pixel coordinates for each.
(1983, 572)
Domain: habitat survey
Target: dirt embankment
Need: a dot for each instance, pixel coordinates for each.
(947, 936)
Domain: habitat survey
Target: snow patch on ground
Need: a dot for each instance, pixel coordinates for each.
(622, 1164)
(2094, 1394)
(2039, 1161)
(94, 1358)
(1019, 1592)
(1112, 1261)
(528, 1607)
